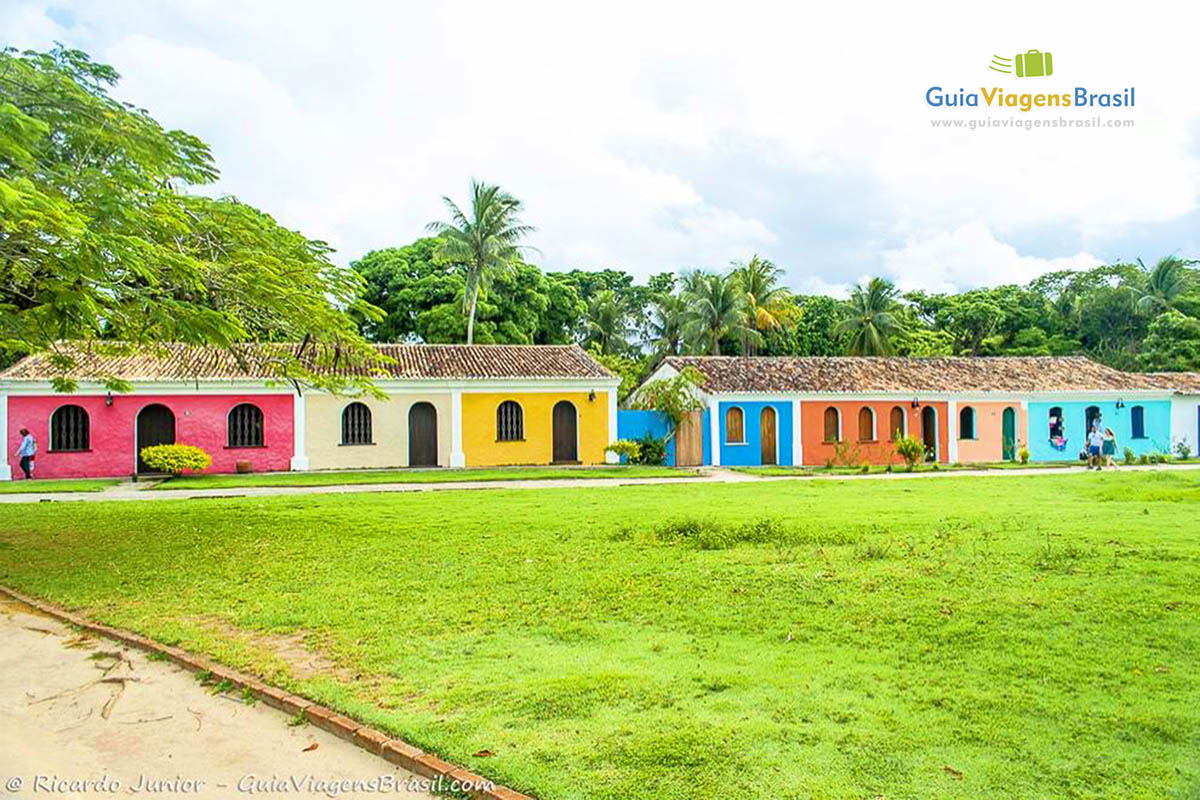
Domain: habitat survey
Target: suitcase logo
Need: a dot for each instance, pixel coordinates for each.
(1030, 64)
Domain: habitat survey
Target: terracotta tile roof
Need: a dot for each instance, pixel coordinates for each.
(942, 374)
(403, 361)
(1183, 382)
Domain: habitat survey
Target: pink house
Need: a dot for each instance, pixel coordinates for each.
(95, 433)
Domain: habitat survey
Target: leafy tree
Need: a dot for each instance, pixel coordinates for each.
(101, 243)
(629, 370)
(404, 282)
(765, 300)
(715, 306)
(674, 397)
(607, 325)
(810, 328)
(486, 243)
(1163, 285)
(1173, 343)
(668, 317)
(872, 322)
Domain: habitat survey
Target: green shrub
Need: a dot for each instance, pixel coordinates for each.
(1130, 456)
(864, 469)
(627, 449)
(651, 450)
(1143, 459)
(1023, 454)
(911, 449)
(1183, 449)
(176, 459)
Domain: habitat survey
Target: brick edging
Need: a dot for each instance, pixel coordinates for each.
(392, 750)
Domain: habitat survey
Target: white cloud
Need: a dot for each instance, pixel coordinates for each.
(350, 121)
(967, 257)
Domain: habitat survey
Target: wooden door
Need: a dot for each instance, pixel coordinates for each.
(929, 432)
(767, 435)
(566, 434)
(155, 425)
(1009, 432)
(422, 435)
(689, 441)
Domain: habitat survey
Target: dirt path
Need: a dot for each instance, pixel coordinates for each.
(128, 491)
(76, 708)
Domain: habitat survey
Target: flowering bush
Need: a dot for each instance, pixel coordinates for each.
(176, 458)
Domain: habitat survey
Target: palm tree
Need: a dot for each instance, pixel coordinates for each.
(668, 316)
(872, 322)
(715, 306)
(1164, 284)
(486, 243)
(607, 323)
(765, 300)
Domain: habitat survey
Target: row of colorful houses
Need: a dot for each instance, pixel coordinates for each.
(496, 405)
(443, 406)
(813, 411)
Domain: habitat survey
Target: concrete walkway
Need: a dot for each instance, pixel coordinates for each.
(708, 475)
(76, 708)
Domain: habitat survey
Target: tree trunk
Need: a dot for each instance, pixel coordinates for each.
(716, 342)
(471, 316)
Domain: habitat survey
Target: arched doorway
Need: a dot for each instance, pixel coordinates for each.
(929, 432)
(1009, 434)
(1091, 417)
(422, 435)
(155, 425)
(767, 435)
(566, 433)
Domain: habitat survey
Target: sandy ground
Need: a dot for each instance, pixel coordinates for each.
(710, 475)
(76, 709)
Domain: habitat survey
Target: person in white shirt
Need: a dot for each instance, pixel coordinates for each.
(26, 452)
(1095, 446)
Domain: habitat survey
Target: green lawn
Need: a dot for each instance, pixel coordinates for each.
(876, 469)
(62, 485)
(418, 476)
(966, 637)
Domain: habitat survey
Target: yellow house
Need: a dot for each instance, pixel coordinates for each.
(467, 406)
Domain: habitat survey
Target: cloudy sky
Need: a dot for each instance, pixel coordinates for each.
(654, 137)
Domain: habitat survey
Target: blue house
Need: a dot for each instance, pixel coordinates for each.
(1058, 428)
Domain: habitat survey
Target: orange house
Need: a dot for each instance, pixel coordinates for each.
(866, 430)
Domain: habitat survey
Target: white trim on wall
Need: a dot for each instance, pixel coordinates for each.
(609, 456)
(457, 457)
(797, 436)
(5, 469)
(951, 431)
(714, 422)
(299, 461)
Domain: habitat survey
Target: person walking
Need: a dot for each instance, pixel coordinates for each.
(26, 452)
(1109, 448)
(1095, 443)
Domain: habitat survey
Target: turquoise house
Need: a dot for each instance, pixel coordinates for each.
(1058, 429)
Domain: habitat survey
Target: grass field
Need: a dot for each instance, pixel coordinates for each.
(350, 478)
(877, 469)
(62, 485)
(966, 637)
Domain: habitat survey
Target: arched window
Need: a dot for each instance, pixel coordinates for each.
(245, 426)
(833, 425)
(1137, 422)
(735, 426)
(70, 429)
(1056, 422)
(966, 423)
(356, 424)
(898, 423)
(510, 422)
(866, 424)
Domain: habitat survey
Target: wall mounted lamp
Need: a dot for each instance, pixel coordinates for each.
(592, 396)
(108, 399)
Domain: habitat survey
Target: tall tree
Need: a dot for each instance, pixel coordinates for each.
(100, 241)
(872, 323)
(715, 306)
(765, 299)
(668, 318)
(607, 323)
(1163, 285)
(485, 243)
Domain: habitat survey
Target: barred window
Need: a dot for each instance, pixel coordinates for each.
(510, 422)
(245, 426)
(356, 424)
(70, 429)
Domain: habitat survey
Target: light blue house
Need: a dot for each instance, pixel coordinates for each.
(1058, 428)
(755, 433)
